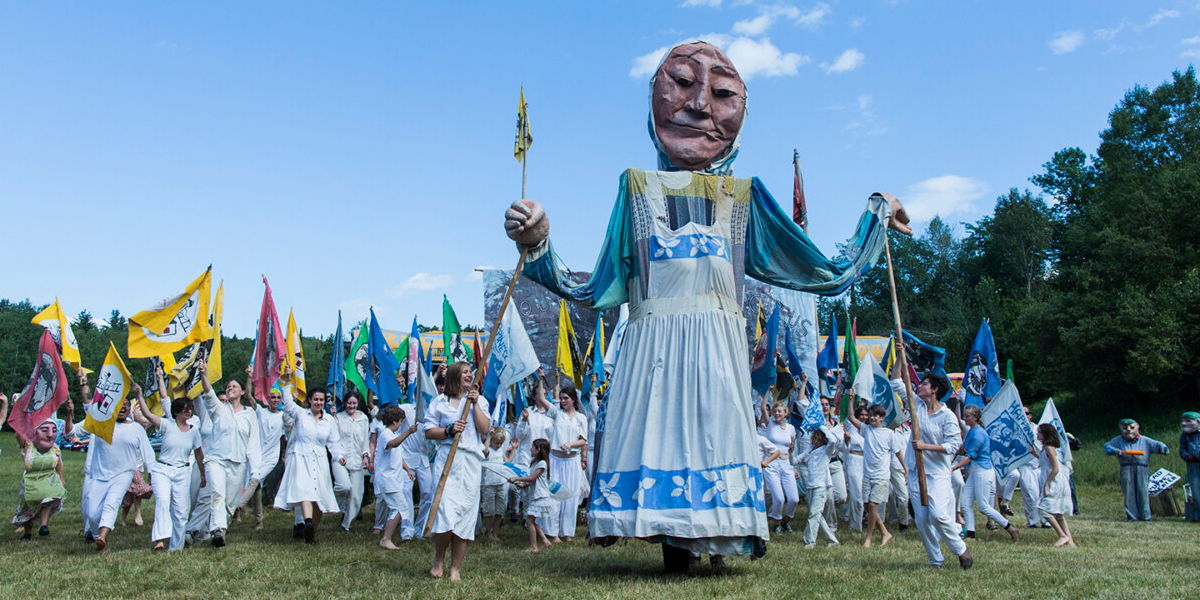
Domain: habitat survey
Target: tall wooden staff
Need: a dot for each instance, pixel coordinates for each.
(912, 409)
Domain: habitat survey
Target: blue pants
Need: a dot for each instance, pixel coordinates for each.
(1192, 511)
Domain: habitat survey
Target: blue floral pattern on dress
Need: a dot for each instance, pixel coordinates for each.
(731, 486)
(693, 245)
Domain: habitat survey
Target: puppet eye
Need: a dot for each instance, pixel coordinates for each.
(682, 82)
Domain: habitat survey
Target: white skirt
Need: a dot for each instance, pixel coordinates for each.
(306, 478)
(1058, 501)
(459, 508)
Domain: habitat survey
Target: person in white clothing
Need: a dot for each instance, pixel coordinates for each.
(835, 433)
(348, 479)
(1056, 490)
(306, 481)
(877, 453)
(112, 471)
(541, 505)
(493, 487)
(816, 462)
(897, 507)
(938, 442)
(1029, 479)
(393, 478)
(458, 511)
(980, 487)
(568, 439)
(234, 450)
(172, 474)
(270, 468)
(533, 425)
(414, 450)
(852, 457)
(780, 475)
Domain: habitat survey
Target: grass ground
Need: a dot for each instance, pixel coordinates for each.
(1115, 559)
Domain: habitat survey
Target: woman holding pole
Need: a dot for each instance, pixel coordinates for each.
(458, 509)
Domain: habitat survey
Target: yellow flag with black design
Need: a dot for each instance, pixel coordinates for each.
(295, 360)
(214, 334)
(524, 138)
(55, 320)
(173, 322)
(112, 385)
(154, 396)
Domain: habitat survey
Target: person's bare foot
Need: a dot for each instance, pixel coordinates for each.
(1013, 532)
(555, 540)
(388, 545)
(1062, 541)
(567, 540)
(547, 543)
(1071, 542)
(137, 520)
(159, 546)
(455, 575)
(122, 523)
(101, 544)
(867, 543)
(436, 571)
(258, 526)
(887, 537)
(532, 550)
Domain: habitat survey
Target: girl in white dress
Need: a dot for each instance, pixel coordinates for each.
(172, 474)
(348, 479)
(306, 481)
(541, 506)
(1055, 503)
(458, 510)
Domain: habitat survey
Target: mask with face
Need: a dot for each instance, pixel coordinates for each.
(1190, 422)
(1130, 430)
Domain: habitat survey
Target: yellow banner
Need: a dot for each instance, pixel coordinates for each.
(172, 323)
(295, 360)
(112, 385)
(524, 138)
(54, 319)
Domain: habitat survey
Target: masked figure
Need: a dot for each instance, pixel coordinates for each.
(1189, 451)
(677, 458)
(1133, 453)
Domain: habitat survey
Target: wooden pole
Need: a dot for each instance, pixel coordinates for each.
(912, 409)
(469, 405)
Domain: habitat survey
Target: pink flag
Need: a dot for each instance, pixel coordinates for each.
(45, 392)
(269, 350)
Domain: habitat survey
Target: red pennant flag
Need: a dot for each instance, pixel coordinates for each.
(270, 348)
(45, 392)
(480, 369)
(799, 208)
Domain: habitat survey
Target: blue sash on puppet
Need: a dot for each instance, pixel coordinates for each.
(982, 379)
(1011, 433)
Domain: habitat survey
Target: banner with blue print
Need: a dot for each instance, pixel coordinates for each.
(1011, 432)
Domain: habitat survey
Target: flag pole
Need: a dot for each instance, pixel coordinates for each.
(487, 349)
(902, 357)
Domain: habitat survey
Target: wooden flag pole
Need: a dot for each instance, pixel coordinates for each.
(469, 405)
(903, 359)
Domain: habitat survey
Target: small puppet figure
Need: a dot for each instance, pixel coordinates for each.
(1133, 454)
(1189, 451)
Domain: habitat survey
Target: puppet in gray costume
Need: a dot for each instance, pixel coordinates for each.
(1133, 452)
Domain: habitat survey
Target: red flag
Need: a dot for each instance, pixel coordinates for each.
(799, 208)
(480, 369)
(269, 349)
(45, 392)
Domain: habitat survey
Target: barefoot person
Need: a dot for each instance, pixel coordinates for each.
(541, 506)
(1055, 504)
(877, 447)
(393, 477)
(454, 524)
(679, 242)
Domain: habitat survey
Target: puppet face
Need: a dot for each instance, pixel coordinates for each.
(1189, 425)
(1130, 431)
(45, 434)
(698, 104)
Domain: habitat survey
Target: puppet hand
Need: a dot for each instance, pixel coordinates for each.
(899, 220)
(526, 223)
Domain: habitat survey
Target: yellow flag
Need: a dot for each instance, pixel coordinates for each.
(173, 322)
(54, 319)
(214, 334)
(568, 358)
(184, 379)
(758, 324)
(155, 396)
(524, 138)
(295, 360)
(112, 385)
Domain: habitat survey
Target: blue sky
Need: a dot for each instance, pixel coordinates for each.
(360, 154)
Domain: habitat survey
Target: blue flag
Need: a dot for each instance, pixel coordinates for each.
(827, 360)
(512, 357)
(923, 357)
(381, 367)
(414, 361)
(762, 367)
(519, 398)
(982, 380)
(1011, 432)
(337, 371)
(813, 418)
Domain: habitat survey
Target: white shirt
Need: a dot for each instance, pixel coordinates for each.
(940, 428)
(566, 429)
(355, 437)
(311, 436)
(856, 439)
(877, 446)
(539, 426)
(234, 435)
(129, 446)
(901, 440)
(413, 448)
(782, 436)
(495, 457)
(541, 485)
(270, 430)
(178, 447)
(765, 448)
(389, 465)
(816, 460)
(442, 413)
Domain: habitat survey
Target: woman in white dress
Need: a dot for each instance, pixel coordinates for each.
(458, 510)
(353, 427)
(1055, 503)
(306, 480)
(569, 439)
(172, 474)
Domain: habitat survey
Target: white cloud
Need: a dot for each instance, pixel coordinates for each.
(709, 3)
(865, 122)
(815, 17)
(751, 57)
(1158, 17)
(1109, 33)
(756, 26)
(1065, 42)
(847, 61)
(857, 22)
(762, 58)
(421, 282)
(942, 196)
(1192, 41)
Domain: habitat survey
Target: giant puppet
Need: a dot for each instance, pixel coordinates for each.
(678, 464)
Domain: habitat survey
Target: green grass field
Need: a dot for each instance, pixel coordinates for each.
(1115, 559)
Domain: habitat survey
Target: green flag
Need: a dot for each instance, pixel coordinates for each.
(849, 366)
(356, 362)
(1010, 375)
(453, 348)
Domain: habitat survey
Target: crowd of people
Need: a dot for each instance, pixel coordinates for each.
(222, 455)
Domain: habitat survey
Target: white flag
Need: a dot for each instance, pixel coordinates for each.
(1050, 415)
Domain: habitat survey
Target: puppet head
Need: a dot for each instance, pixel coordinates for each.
(1130, 430)
(1190, 422)
(45, 435)
(697, 106)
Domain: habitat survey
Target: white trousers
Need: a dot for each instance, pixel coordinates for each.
(1031, 491)
(852, 510)
(816, 518)
(104, 500)
(201, 518)
(897, 505)
(225, 481)
(958, 483)
(348, 489)
(83, 500)
(172, 499)
(935, 523)
(837, 493)
(569, 473)
(980, 491)
(781, 484)
(426, 485)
